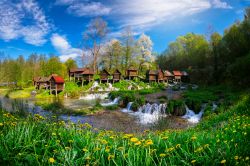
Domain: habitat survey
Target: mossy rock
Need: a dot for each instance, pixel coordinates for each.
(194, 105)
(135, 106)
(176, 107)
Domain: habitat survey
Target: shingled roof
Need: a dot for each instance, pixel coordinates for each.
(57, 79)
(168, 73)
(76, 70)
(177, 73)
(104, 71)
(152, 72)
(87, 71)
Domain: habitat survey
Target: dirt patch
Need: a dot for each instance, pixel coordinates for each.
(168, 93)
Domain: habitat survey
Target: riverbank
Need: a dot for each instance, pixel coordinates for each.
(220, 138)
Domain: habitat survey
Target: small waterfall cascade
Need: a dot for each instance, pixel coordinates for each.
(191, 116)
(94, 96)
(153, 108)
(148, 113)
(214, 106)
(110, 87)
(128, 108)
(114, 102)
(94, 86)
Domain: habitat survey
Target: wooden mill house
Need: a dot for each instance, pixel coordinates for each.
(104, 76)
(81, 75)
(41, 82)
(117, 76)
(56, 84)
(177, 75)
(168, 76)
(155, 75)
(131, 73)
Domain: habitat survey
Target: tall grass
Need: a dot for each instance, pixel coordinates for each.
(218, 139)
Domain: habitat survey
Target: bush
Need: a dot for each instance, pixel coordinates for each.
(72, 89)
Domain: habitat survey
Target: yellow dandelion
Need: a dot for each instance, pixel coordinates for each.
(162, 155)
(120, 148)
(1, 124)
(206, 146)
(193, 161)
(193, 138)
(51, 160)
(178, 145)
(138, 143)
(223, 161)
(110, 157)
(84, 149)
(149, 142)
(104, 141)
(134, 139)
(88, 158)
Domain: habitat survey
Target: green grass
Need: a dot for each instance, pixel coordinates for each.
(22, 93)
(219, 138)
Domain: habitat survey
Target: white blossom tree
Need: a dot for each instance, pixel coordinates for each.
(145, 47)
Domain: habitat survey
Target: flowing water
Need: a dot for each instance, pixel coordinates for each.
(111, 103)
(191, 116)
(148, 113)
(125, 120)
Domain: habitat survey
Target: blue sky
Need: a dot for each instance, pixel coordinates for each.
(56, 26)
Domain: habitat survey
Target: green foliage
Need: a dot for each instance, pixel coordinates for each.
(122, 85)
(221, 59)
(112, 107)
(72, 89)
(147, 91)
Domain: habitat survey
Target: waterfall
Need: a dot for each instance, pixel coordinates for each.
(214, 107)
(150, 113)
(94, 96)
(114, 102)
(94, 86)
(191, 116)
(127, 109)
(111, 88)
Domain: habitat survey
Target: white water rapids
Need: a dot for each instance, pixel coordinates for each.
(148, 113)
(114, 102)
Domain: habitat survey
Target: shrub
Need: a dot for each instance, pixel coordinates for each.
(72, 89)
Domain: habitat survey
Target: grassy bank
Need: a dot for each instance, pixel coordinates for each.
(219, 139)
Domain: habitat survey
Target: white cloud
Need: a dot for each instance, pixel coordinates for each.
(143, 15)
(140, 14)
(89, 9)
(63, 47)
(85, 8)
(23, 20)
(220, 4)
